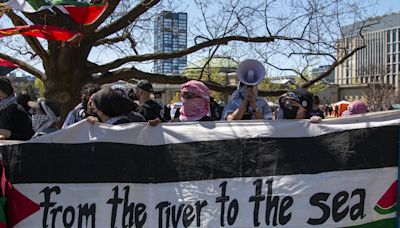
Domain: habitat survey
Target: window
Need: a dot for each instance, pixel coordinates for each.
(388, 36)
(388, 48)
(388, 58)
(394, 68)
(182, 16)
(393, 79)
(394, 47)
(387, 79)
(394, 58)
(394, 35)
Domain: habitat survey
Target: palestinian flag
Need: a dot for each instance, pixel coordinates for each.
(47, 32)
(211, 174)
(81, 12)
(6, 67)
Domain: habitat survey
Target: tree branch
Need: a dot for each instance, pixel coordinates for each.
(177, 54)
(24, 66)
(331, 68)
(112, 40)
(125, 20)
(112, 5)
(32, 41)
(129, 73)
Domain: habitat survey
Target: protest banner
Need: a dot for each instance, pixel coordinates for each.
(339, 173)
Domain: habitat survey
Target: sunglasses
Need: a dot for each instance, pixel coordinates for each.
(188, 95)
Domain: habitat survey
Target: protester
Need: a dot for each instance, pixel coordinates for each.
(297, 104)
(15, 123)
(45, 116)
(215, 109)
(113, 107)
(356, 107)
(147, 107)
(336, 110)
(195, 102)
(316, 111)
(246, 105)
(23, 100)
(165, 110)
(81, 111)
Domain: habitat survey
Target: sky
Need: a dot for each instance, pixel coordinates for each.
(383, 6)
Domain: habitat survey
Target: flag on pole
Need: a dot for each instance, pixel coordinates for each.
(5, 68)
(47, 32)
(81, 12)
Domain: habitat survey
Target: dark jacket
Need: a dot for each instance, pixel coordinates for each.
(15, 119)
(151, 110)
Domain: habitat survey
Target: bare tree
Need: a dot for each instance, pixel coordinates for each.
(380, 93)
(380, 96)
(296, 30)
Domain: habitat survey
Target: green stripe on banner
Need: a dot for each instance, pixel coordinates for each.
(385, 223)
(385, 211)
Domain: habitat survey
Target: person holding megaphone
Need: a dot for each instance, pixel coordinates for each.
(245, 103)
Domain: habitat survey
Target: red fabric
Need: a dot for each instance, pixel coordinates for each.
(85, 15)
(47, 32)
(4, 62)
(18, 206)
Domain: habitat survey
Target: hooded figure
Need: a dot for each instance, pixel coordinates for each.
(195, 102)
(15, 123)
(45, 117)
(112, 106)
(356, 107)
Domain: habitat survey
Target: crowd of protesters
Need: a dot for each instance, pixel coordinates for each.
(23, 119)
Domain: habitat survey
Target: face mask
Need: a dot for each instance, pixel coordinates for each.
(290, 111)
(38, 120)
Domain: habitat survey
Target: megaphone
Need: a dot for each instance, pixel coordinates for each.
(250, 72)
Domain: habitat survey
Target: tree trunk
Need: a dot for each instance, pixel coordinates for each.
(65, 75)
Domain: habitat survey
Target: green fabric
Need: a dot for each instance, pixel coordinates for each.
(384, 223)
(3, 218)
(385, 211)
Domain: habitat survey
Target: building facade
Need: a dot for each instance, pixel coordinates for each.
(170, 34)
(379, 62)
(322, 69)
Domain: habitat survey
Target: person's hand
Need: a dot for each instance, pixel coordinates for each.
(154, 122)
(315, 119)
(92, 119)
(5, 134)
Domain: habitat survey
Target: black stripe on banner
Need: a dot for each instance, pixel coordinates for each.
(124, 163)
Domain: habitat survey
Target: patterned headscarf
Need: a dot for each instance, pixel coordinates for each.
(195, 108)
(7, 102)
(45, 120)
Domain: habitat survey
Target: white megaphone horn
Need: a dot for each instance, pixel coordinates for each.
(250, 72)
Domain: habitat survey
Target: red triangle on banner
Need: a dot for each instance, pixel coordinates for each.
(18, 206)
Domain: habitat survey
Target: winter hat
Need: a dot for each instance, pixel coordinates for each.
(304, 97)
(6, 86)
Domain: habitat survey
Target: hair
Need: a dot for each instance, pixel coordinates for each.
(112, 102)
(90, 88)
